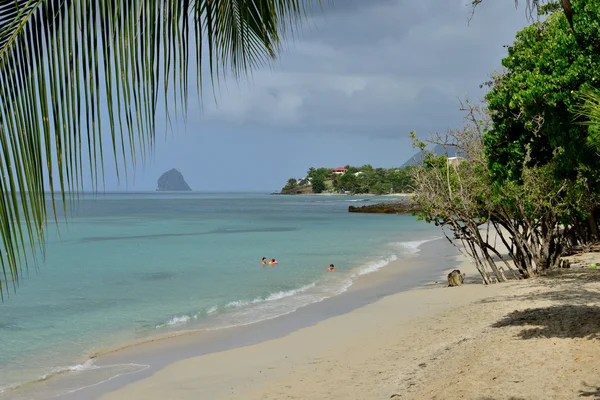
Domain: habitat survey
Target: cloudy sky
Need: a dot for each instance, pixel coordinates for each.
(348, 89)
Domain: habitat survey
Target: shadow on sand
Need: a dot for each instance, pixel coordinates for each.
(563, 321)
(593, 392)
(571, 316)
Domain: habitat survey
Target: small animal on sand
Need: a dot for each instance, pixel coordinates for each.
(455, 278)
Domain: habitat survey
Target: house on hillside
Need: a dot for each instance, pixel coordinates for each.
(339, 171)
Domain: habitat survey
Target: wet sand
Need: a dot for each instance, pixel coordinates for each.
(120, 368)
(533, 339)
(530, 339)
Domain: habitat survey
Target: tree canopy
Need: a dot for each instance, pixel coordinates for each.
(357, 180)
(534, 102)
(531, 175)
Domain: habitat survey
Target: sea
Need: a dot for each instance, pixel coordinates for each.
(123, 268)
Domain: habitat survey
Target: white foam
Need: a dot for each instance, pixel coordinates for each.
(272, 297)
(178, 320)
(86, 366)
(237, 304)
(142, 367)
(89, 364)
(375, 266)
(288, 293)
(212, 310)
(175, 321)
(412, 248)
(276, 305)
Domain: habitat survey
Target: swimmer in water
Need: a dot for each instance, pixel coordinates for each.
(273, 262)
(264, 261)
(331, 268)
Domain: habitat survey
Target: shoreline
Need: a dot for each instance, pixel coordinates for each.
(242, 370)
(345, 194)
(398, 276)
(526, 339)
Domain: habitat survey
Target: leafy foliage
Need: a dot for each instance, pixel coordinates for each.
(318, 184)
(364, 179)
(589, 112)
(291, 184)
(534, 104)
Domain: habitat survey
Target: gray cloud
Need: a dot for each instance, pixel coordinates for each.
(380, 64)
(356, 79)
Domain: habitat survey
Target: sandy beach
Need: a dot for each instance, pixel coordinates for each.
(531, 339)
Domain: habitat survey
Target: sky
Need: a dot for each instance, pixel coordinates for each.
(347, 89)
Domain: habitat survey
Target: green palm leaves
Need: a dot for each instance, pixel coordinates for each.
(589, 112)
(81, 80)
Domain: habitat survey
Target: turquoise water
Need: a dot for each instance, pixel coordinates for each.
(127, 267)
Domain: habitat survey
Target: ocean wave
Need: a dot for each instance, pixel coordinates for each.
(272, 297)
(236, 304)
(412, 248)
(284, 294)
(31, 388)
(375, 266)
(272, 309)
(212, 310)
(86, 366)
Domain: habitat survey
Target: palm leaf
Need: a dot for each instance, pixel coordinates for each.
(75, 74)
(589, 114)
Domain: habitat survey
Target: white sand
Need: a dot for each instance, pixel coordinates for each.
(428, 343)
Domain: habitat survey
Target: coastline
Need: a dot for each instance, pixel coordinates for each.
(345, 194)
(129, 364)
(400, 276)
(533, 339)
(268, 368)
(385, 340)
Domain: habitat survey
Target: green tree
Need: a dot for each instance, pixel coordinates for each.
(72, 70)
(534, 103)
(589, 111)
(318, 184)
(292, 183)
(348, 182)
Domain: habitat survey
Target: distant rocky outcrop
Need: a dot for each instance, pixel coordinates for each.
(172, 181)
(403, 205)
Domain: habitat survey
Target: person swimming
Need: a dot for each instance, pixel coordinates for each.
(331, 268)
(273, 262)
(264, 261)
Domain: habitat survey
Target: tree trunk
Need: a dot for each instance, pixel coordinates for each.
(593, 227)
(566, 5)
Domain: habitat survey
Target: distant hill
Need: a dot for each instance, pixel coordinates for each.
(417, 159)
(172, 181)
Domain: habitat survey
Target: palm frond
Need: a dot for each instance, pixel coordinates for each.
(588, 114)
(75, 74)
